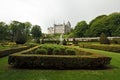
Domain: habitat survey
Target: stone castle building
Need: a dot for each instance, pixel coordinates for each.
(60, 28)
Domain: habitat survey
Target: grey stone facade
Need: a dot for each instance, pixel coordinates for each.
(60, 28)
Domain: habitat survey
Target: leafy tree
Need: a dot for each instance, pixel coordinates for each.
(104, 39)
(20, 37)
(19, 31)
(36, 32)
(14, 26)
(80, 29)
(3, 31)
(97, 26)
(113, 24)
(27, 29)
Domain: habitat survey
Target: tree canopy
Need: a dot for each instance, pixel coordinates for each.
(17, 31)
(36, 32)
(80, 29)
(107, 24)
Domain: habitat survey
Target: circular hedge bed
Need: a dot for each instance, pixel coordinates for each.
(58, 57)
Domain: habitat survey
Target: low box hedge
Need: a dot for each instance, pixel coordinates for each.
(58, 62)
(25, 60)
(110, 48)
(12, 50)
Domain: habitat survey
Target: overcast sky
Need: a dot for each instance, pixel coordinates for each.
(47, 12)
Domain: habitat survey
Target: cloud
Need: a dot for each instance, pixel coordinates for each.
(46, 12)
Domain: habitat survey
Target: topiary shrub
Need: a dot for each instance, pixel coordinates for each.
(64, 42)
(104, 39)
(41, 51)
(57, 51)
(70, 52)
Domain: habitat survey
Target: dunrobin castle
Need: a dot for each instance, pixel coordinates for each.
(60, 28)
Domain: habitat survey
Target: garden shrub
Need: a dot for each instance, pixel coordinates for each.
(64, 42)
(70, 52)
(51, 47)
(57, 51)
(104, 39)
(40, 51)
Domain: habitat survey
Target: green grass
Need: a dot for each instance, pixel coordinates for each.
(8, 73)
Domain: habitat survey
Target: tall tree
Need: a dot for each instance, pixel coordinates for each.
(19, 32)
(3, 31)
(80, 29)
(28, 25)
(113, 23)
(36, 32)
(97, 26)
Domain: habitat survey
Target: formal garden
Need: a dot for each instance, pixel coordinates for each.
(28, 54)
(67, 61)
(52, 61)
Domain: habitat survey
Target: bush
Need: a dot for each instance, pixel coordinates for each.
(51, 47)
(64, 42)
(104, 39)
(41, 51)
(57, 51)
(70, 52)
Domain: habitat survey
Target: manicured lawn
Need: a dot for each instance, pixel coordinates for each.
(7, 73)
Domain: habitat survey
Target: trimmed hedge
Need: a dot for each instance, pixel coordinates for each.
(13, 50)
(50, 41)
(41, 51)
(70, 52)
(58, 62)
(25, 60)
(102, 47)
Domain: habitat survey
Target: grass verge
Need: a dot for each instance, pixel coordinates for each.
(8, 73)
